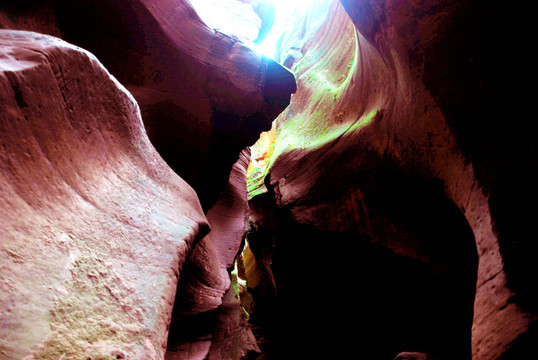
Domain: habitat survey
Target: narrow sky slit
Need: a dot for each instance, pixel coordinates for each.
(283, 15)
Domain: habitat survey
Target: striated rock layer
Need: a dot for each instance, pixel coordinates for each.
(199, 90)
(204, 96)
(198, 324)
(392, 177)
(95, 226)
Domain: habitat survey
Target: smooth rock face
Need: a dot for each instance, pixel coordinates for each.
(204, 96)
(376, 156)
(95, 227)
(200, 91)
(389, 204)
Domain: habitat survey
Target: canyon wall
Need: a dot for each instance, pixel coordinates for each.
(97, 226)
(200, 91)
(389, 196)
(386, 213)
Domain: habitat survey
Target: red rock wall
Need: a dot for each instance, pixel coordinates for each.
(199, 90)
(206, 278)
(95, 226)
(392, 141)
(389, 211)
(204, 96)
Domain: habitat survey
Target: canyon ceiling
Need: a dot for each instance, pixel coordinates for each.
(169, 193)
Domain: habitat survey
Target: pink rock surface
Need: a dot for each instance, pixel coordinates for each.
(95, 227)
(206, 278)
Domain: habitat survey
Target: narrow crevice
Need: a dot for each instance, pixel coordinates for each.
(331, 286)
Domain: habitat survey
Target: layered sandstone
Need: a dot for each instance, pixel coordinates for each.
(95, 226)
(381, 155)
(199, 90)
(204, 96)
(388, 212)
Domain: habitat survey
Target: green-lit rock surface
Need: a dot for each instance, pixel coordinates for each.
(379, 175)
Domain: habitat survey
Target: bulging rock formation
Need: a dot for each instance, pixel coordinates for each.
(204, 96)
(95, 226)
(205, 280)
(199, 90)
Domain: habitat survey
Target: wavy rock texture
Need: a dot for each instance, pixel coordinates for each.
(204, 97)
(95, 226)
(391, 152)
(389, 204)
(206, 279)
(199, 90)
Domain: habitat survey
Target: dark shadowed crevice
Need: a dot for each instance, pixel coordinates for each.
(483, 96)
(441, 320)
(339, 294)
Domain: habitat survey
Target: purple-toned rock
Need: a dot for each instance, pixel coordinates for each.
(206, 276)
(201, 92)
(94, 226)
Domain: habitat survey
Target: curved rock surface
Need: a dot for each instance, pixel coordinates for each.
(208, 321)
(388, 151)
(95, 226)
(199, 90)
(204, 96)
(389, 204)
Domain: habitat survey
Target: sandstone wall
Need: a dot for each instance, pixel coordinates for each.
(95, 226)
(396, 146)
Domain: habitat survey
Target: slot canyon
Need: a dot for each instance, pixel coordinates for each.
(171, 189)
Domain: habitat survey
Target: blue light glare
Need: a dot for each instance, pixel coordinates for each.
(284, 12)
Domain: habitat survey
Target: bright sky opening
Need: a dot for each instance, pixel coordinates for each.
(284, 10)
(221, 15)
